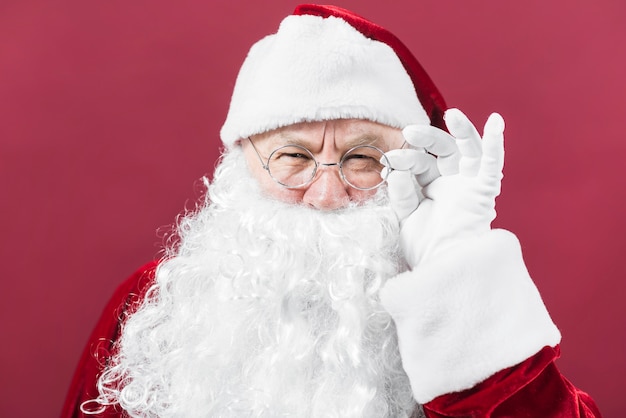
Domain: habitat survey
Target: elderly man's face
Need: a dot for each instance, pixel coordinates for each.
(328, 142)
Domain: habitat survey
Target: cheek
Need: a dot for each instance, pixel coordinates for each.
(361, 196)
(269, 187)
(274, 190)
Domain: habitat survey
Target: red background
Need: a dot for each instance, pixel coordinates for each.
(110, 113)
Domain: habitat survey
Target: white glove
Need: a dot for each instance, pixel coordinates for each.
(438, 211)
(467, 308)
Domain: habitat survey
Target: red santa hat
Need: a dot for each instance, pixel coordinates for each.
(327, 63)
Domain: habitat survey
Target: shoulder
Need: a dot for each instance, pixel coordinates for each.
(126, 297)
(131, 291)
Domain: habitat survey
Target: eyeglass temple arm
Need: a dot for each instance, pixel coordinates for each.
(264, 165)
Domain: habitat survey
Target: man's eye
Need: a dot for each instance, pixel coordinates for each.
(296, 155)
(291, 159)
(361, 163)
(357, 157)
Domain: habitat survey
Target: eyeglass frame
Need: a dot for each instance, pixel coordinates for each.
(339, 164)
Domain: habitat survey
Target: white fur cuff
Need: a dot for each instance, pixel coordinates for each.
(466, 315)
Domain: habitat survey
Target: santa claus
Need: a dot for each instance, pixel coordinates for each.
(342, 263)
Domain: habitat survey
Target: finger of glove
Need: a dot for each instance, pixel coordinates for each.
(418, 162)
(432, 173)
(434, 140)
(437, 142)
(449, 165)
(414, 160)
(467, 140)
(492, 162)
(403, 195)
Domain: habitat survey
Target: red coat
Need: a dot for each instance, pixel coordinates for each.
(535, 388)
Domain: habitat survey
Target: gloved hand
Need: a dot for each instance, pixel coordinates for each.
(467, 306)
(441, 201)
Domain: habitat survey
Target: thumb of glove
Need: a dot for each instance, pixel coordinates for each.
(403, 193)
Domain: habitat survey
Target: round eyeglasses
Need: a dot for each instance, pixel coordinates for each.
(363, 167)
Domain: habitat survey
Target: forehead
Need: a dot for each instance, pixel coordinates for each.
(341, 132)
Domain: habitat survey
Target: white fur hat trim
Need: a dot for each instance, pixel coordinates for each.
(316, 69)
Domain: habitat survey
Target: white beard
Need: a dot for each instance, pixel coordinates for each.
(265, 309)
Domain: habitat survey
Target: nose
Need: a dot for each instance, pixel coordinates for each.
(328, 191)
